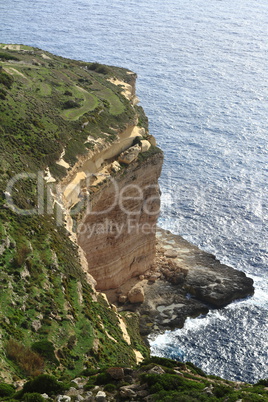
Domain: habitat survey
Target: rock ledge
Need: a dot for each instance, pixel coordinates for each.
(183, 281)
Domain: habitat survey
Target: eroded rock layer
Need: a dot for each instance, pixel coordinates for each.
(117, 233)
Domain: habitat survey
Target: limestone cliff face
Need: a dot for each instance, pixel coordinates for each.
(111, 199)
(117, 234)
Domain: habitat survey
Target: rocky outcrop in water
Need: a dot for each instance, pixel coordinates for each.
(183, 281)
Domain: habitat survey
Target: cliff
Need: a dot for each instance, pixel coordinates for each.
(120, 243)
(111, 202)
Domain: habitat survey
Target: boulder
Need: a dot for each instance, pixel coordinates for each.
(89, 397)
(122, 298)
(129, 379)
(178, 373)
(154, 276)
(218, 285)
(101, 396)
(171, 253)
(36, 63)
(145, 145)
(79, 398)
(127, 392)
(72, 392)
(36, 325)
(152, 140)
(80, 382)
(129, 155)
(117, 373)
(63, 398)
(115, 167)
(156, 370)
(136, 294)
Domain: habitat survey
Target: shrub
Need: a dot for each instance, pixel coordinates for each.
(89, 372)
(33, 397)
(147, 154)
(22, 253)
(30, 362)
(99, 68)
(44, 384)
(70, 104)
(196, 370)
(6, 79)
(247, 397)
(166, 382)
(221, 390)
(94, 66)
(45, 349)
(6, 389)
(163, 396)
(7, 56)
(162, 361)
(263, 382)
(90, 384)
(103, 378)
(85, 80)
(109, 387)
(71, 342)
(169, 382)
(103, 70)
(3, 94)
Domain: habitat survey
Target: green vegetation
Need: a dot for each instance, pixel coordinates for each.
(42, 384)
(44, 103)
(33, 397)
(99, 68)
(46, 324)
(89, 103)
(5, 79)
(162, 379)
(263, 382)
(29, 362)
(45, 349)
(49, 320)
(8, 56)
(162, 361)
(148, 154)
(178, 386)
(6, 390)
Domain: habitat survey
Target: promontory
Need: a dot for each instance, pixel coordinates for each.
(85, 272)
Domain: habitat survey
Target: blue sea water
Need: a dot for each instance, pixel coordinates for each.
(203, 82)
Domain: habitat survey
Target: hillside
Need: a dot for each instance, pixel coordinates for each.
(46, 296)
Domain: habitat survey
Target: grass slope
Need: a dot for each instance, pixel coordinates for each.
(44, 101)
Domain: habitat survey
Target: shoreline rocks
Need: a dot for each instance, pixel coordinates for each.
(184, 281)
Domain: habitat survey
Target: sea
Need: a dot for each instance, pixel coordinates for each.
(203, 82)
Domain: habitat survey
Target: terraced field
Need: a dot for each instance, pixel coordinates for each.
(46, 99)
(46, 79)
(89, 103)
